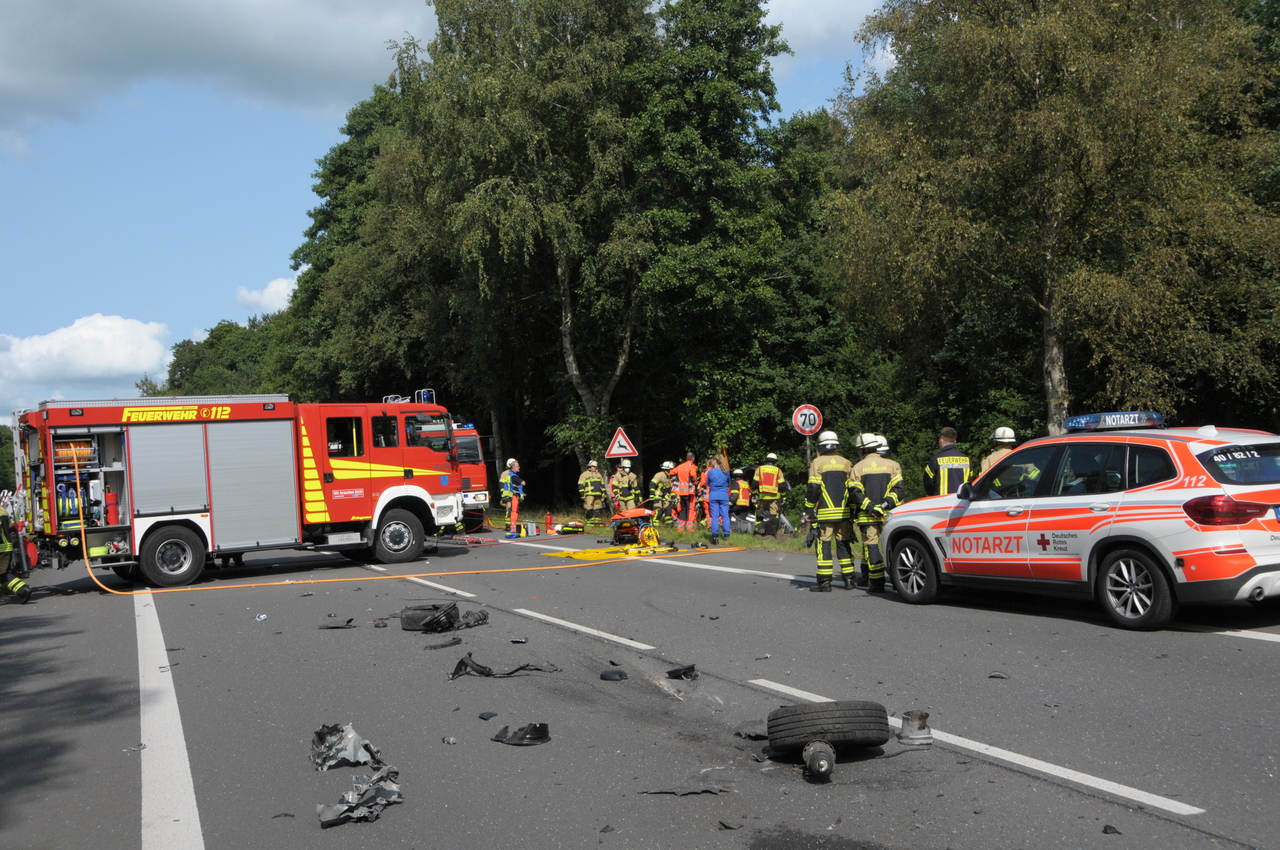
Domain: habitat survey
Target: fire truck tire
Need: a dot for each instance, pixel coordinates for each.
(853, 723)
(172, 556)
(400, 537)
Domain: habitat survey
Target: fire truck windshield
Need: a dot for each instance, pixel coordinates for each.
(429, 430)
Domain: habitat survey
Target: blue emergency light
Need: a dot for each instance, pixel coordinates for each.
(1114, 421)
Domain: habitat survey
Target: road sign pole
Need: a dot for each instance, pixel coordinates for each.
(808, 456)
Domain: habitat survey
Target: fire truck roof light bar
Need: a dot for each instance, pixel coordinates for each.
(1114, 421)
(162, 401)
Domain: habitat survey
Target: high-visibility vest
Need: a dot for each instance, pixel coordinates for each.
(741, 493)
(767, 477)
(6, 545)
(686, 476)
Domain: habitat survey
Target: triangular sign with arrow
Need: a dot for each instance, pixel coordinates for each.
(621, 446)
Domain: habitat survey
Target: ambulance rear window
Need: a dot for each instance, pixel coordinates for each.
(1257, 464)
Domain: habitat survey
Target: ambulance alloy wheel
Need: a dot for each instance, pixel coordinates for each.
(853, 723)
(1134, 592)
(172, 556)
(400, 537)
(913, 571)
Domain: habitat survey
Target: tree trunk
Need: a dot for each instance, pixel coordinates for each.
(1055, 373)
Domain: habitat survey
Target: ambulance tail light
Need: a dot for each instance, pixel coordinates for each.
(1223, 510)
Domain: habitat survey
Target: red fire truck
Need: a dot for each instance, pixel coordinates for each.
(154, 487)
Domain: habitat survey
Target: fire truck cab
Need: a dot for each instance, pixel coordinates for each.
(156, 487)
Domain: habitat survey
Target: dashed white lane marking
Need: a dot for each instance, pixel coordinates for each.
(1105, 785)
(545, 546)
(445, 588)
(584, 629)
(1243, 633)
(170, 818)
(696, 566)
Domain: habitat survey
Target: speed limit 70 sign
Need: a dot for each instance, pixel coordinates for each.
(807, 419)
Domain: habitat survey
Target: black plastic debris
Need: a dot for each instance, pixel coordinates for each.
(613, 675)
(440, 618)
(996, 674)
(724, 824)
(613, 663)
(379, 624)
(488, 715)
(519, 640)
(1111, 830)
(607, 828)
(282, 815)
(683, 673)
(689, 790)
(335, 746)
(349, 624)
(753, 730)
(448, 739)
(526, 736)
(365, 801)
(308, 593)
(467, 665)
(451, 642)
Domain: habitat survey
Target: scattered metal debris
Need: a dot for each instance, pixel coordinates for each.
(607, 828)
(915, 729)
(819, 759)
(526, 736)
(689, 790)
(687, 672)
(467, 664)
(724, 824)
(349, 624)
(301, 596)
(488, 715)
(448, 739)
(282, 815)
(996, 674)
(334, 746)
(440, 618)
(452, 642)
(260, 617)
(519, 640)
(753, 730)
(365, 801)
(136, 749)
(764, 657)
(613, 675)
(379, 624)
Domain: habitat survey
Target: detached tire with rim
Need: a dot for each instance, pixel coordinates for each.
(172, 556)
(1134, 592)
(400, 537)
(914, 572)
(853, 723)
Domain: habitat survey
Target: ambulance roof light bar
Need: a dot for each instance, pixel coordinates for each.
(1114, 421)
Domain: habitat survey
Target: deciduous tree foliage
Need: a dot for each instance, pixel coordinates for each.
(1074, 163)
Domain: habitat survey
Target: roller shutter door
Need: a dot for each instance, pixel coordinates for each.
(255, 495)
(166, 465)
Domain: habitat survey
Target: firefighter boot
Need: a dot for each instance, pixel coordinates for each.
(18, 588)
(823, 586)
(715, 540)
(861, 580)
(876, 585)
(848, 581)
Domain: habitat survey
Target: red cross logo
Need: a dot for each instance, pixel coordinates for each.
(1044, 542)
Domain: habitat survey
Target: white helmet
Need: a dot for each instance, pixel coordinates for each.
(882, 445)
(738, 472)
(592, 463)
(771, 456)
(666, 464)
(510, 462)
(865, 441)
(828, 440)
(626, 464)
(1003, 435)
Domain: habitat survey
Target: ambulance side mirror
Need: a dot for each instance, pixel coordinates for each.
(965, 493)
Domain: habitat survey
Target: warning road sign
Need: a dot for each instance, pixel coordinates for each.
(621, 446)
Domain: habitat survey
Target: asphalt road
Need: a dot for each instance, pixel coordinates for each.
(1167, 737)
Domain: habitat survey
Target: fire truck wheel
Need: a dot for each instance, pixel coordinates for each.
(129, 573)
(172, 556)
(400, 537)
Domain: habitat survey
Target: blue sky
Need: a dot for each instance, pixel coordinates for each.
(156, 162)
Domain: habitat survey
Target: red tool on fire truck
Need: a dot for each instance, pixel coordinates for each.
(154, 487)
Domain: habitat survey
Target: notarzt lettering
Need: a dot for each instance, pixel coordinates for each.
(994, 545)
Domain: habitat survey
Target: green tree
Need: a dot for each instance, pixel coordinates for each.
(1071, 166)
(6, 458)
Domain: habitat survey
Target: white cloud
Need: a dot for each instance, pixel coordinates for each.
(99, 356)
(821, 28)
(272, 298)
(57, 59)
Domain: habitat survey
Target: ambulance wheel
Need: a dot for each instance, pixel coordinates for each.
(852, 723)
(172, 556)
(913, 571)
(400, 537)
(1134, 592)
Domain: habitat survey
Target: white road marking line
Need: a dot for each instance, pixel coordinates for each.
(584, 629)
(1252, 635)
(545, 546)
(695, 566)
(374, 567)
(793, 692)
(170, 817)
(1105, 785)
(445, 588)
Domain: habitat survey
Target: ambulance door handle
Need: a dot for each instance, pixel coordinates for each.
(1099, 507)
(1014, 510)
(328, 478)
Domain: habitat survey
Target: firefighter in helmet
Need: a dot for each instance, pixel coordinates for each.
(660, 492)
(591, 489)
(1002, 439)
(826, 503)
(770, 484)
(876, 489)
(684, 488)
(624, 487)
(512, 494)
(739, 497)
(13, 585)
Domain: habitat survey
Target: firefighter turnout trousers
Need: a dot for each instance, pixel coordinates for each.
(837, 535)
